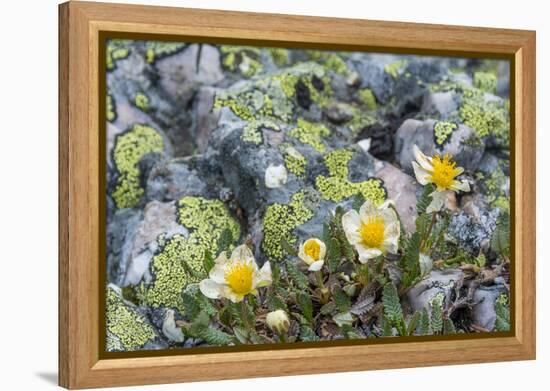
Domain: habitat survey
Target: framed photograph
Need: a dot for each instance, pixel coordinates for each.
(243, 195)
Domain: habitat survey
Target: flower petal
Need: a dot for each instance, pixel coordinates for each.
(263, 276)
(217, 273)
(351, 224)
(422, 176)
(438, 201)
(367, 253)
(315, 266)
(242, 253)
(460, 186)
(210, 288)
(367, 209)
(424, 161)
(323, 249)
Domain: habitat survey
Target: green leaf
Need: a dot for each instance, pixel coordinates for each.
(307, 334)
(341, 300)
(328, 308)
(214, 336)
(208, 261)
(306, 306)
(413, 323)
(334, 254)
(449, 326)
(351, 333)
(300, 280)
(342, 319)
(241, 334)
(502, 309)
(425, 199)
(437, 316)
(500, 240)
(288, 248)
(425, 323)
(392, 305)
(275, 302)
(194, 302)
(386, 326)
(358, 201)
(225, 240)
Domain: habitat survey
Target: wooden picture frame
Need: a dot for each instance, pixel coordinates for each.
(80, 25)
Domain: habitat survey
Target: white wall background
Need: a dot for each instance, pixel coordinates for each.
(28, 193)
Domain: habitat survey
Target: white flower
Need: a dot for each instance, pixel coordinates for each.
(373, 231)
(441, 171)
(275, 176)
(278, 321)
(236, 277)
(313, 252)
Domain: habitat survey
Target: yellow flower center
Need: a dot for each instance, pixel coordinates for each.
(312, 248)
(239, 277)
(372, 232)
(444, 171)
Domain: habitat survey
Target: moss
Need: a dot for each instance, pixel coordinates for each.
(310, 133)
(395, 68)
(443, 131)
(117, 49)
(280, 220)
(141, 101)
(485, 81)
(128, 329)
(336, 186)
(295, 162)
(367, 98)
(280, 56)
(180, 260)
(155, 50)
(252, 133)
(129, 148)
(111, 108)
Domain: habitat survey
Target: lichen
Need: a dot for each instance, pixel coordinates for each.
(485, 81)
(252, 130)
(359, 120)
(330, 61)
(494, 186)
(485, 117)
(336, 186)
(130, 147)
(395, 68)
(443, 131)
(155, 50)
(310, 133)
(244, 59)
(280, 220)
(141, 101)
(367, 98)
(117, 49)
(280, 56)
(180, 259)
(111, 108)
(295, 162)
(128, 329)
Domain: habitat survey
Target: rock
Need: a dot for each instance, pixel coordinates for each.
(473, 231)
(372, 75)
(172, 179)
(440, 104)
(437, 282)
(275, 176)
(431, 140)
(483, 312)
(169, 328)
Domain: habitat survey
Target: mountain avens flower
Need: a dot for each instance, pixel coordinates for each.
(442, 172)
(278, 321)
(235, 277)
(373, 231)
(313, 252)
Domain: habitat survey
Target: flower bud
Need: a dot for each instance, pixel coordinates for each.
(278, 321)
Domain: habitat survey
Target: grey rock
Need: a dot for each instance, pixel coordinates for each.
(121, 232)
(436, 282)
(483, 312)
(472, 231)
(172, 179)
(440, 104)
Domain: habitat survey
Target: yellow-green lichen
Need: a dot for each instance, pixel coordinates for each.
(280, 56)
(141, 101)
(485, 81)
(128, 329)
(180, 260)
(360, 120)
(252, 130)
(485, 117)
(367, 98)
(117, 49)
(155, 50)
(279, 222)
(111, 108)
(331, 61)
(295, 162)
(495, 185)
(442, 131)
(336, 186)
(395, 68)
(245, 59)
(287, 82)
(310, 133)
(129, 148)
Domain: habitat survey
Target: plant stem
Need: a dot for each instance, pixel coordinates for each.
(319, 279)
(427, 235)
(244, 315)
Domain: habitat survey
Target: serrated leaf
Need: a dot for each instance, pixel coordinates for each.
(300, 280)
(328, 308)
(413, 323)
(437, 317)
(358, 201)
(424, 199)
(288, 248)
(449, 326)
(208, 261)
(341, 300)
(214, 336)
(392, 305)
(344, 318)
(225, 240)
(500, 240)
(425, 323)
(306, 306)
(307, 334)
(334, 254)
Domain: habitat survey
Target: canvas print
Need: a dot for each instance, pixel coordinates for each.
(263, 195)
